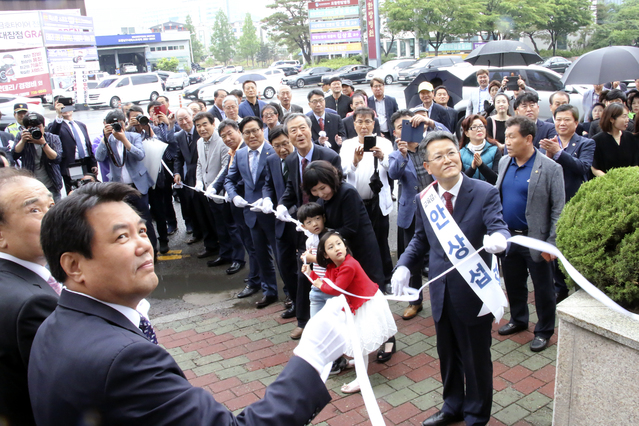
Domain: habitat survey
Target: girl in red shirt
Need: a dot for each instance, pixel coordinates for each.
(373, 318)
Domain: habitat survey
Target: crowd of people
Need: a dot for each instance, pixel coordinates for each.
(307, 197)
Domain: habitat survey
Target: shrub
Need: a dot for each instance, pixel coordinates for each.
(598, 234)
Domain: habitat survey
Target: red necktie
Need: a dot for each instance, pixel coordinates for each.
(304, 194)
(321, 123)
(449, 202)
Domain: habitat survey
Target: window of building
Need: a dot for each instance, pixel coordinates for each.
(163, 47)
(170, 47)
(181, 47)
(153, 49)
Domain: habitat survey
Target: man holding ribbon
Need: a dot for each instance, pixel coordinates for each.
(456, 216)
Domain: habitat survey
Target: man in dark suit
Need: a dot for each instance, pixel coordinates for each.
(384, 106)
(357, 100)
(217, 110)
(251, 107)
(338, 101)
(285, 95)
(533, 193)
(97, 356)
(324, 121)
(76, 143)
(185, 168)
(298, 127)
(463, 337)
(558, 99)
(26, 298)
(527, 105)
(435, 111)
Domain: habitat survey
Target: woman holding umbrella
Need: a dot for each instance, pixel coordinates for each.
(615, 147)
(480, 158)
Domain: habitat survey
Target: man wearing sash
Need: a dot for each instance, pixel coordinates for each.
(456, 216)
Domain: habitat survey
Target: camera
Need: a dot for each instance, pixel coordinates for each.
(117, 127)
(36, 133)
(142, 119)
(32, 123)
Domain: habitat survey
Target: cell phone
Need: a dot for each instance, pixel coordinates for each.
(512, 83)
(66, 101)
(410, 133)
(159, 109)
(369, 142)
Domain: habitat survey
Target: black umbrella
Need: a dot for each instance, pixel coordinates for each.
(600, 66)
(437, 78)
(501, 53)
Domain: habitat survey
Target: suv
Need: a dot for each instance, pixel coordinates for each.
(423, 65)
(116, 89)
(287, 63)
(389, 71)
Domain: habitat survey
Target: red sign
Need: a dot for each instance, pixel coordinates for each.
(370, 29)
(25, 73)
(331, 3)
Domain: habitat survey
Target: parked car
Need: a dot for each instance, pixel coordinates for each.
(6, 107)
(267, 82)
(308, 76)
(295, 64)
(288, 70)
(196, 78)
(135, 88)
(195, 91)
(389, 71)
(556, 63)
(423, 65)
(355, 73)
(178, 80)
(163, 74)
(129, 68)
(229, 69)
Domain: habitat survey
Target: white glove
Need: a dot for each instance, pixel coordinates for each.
(226, 197)
(178, 185)
(199, 186)
(495, 243)
(324, 339)
(210, 191)
(399, 280)
(239, 202)
(281, 212)
(267, 206)
(257, 206)
(306, 232)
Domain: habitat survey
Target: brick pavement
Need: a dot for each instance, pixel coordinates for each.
(236, 352)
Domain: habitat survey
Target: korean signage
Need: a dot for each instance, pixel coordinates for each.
(331, 3)
(25, 73)
(332, 49)
(336, 37)
(334, 12)
(114, 40)
(370, 29)
(67, 30)
(340, 25)
(334, 26)
(20, 30)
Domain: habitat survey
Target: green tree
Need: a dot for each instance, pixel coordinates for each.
(619, 25)
(222, 40)
(264, 54)
(524, 17)
(166, 64)
(197, 48)
(289, 25)
(249, 44)
(565, 17)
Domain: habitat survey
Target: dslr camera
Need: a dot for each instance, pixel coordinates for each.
(142, 119)
(117, 127)
(32, 124)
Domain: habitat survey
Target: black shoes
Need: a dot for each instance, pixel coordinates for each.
(248, 291)
(382, 354)
(538, 344)
(193, 240)
(289, 313)
(265, 301)
(234, 268)
(511, 328)
(164, 247)
(561, 296)
(339, 365)
(218, 262)
(441, 419)
(171, 229)
(189, 229)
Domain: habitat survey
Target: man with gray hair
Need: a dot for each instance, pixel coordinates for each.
(463, 337)
(230, 105)
(285, 95)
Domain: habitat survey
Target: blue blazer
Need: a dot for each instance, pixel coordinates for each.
(478, 212)
(441, 115)
(390, 105)
(133, 162)
(245, 110)
(545, 130)
(105, 365)
(239, 171)
(403, 170)
(274, 187)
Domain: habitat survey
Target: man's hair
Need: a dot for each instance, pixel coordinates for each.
(611, 112)
(321, 258)
(321, 171)
(198, 103)
(31, 115)
(248, 119)
(309, 210)
(363, 111)
(236, 92)
(377, 80)
(613, 94)
(441, 87)
(151, 105)
(246, 82)
(9, 175)
(66, 229)
(432, 137)
(559, 92)
(333, 79)
(117, 114)
(230, 98)
(293, 116)
(227, 122)
(481, 71)
(126, 104)
(360, 92)
(314, 92)
(494, 83)
(165, 98)
(187, 110)
(204, 114)
(567, 107)
(525, 124)
(217, 93)
(272, 108)
(282, 87)
(358, 95)
(526, 97)
(401, 113)
(275, 133)
(134, 108)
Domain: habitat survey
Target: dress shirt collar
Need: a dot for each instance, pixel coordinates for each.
(317, 117)
(454, 190)
(259, 150)
(34, 267)
(131, 314)
(529, 162)
(308, 156)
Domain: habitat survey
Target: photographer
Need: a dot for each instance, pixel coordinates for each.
(40, 152)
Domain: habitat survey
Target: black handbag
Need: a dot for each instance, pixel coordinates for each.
(376, 183)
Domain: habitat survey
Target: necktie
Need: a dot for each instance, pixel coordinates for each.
(56, 286)
(147, 329)
(253, 164)
(449, 202)
(304, 194)
(189, 139)
(321, 123)
(284, 171)
(78, 140)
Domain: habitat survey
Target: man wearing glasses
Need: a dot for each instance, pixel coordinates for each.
(327, 128)
(385, 106)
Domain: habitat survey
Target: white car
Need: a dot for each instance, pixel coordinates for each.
(389, 71)
(8, 101)
(129, 68)
(177, 80)
(267, 82)
(205, 91)
(124, 88)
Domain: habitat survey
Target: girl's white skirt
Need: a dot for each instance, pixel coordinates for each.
(374, 324)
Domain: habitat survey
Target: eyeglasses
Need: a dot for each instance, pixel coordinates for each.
(317, 101)
(440, 158)
(280, 145)
(251, 132)
(367, 122)
(268, 115)
(478, 127)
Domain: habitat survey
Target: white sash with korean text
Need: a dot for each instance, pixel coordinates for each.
(482, 280)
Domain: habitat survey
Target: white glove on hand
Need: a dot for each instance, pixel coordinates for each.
(267, 206)
(226, 197)
(495, 243)
(257, 206)
(199, 186)
(399, 280)
(210, 191)
(324, 339)
(239, 202)
(281, 212)
(306, 232)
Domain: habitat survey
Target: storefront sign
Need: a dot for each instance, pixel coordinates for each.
(25, 73)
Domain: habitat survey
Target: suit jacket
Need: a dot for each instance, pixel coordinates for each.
(333, 126)
(216, 113)
(209, 166)
(186, 157)
(473, 106)
(342, 105)
(441, 115)
(69, 145)
(546, 198)
(105, 365)
(275, 185)
(132, 162)
(245, 109)
(545, 130)
(25, 301)
(403, 170)
(294, 109)
(575, 160)
(292, 197)
(478, 212)
(390, 105)
(5, 138)
(349, 127)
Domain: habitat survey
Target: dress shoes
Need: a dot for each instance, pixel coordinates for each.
(234, 268)
(441, 419)
(411, 311)
(289, 313)
(206, 253)
(561, 296)
(218, 262)
(297, 333)
(171, 229)
(189, 229)
(248, 291)
(193, 240)
(511, 328)
(164, 247)
(538, 344)
(288, 302)
(265, 301)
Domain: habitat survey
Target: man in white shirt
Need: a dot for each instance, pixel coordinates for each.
(477, 98)
(285, 95)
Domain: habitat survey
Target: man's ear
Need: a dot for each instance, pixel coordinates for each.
(427, 167)
(71, 263)
(3, 241)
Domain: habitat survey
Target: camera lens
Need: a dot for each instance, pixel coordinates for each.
(117, 127)
(35, 133)
(143, 120)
